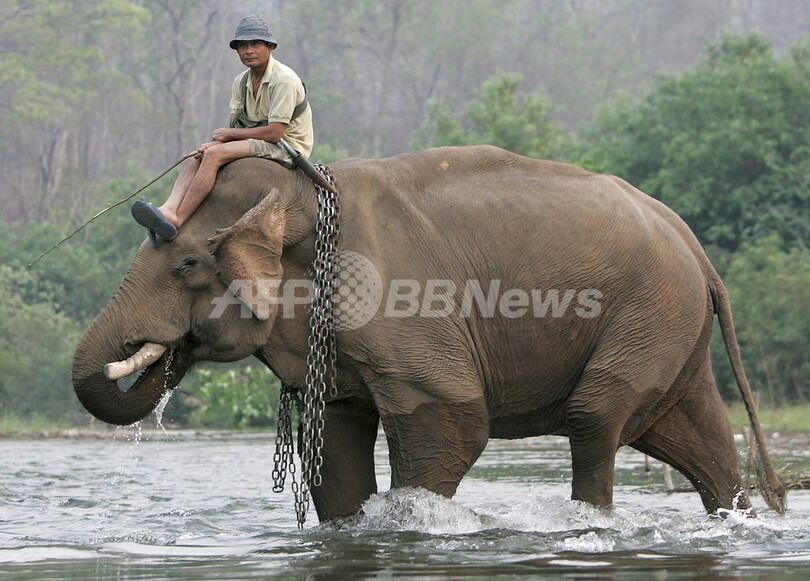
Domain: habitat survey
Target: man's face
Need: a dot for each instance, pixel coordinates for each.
(254, 53)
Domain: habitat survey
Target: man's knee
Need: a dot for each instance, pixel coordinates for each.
(213, 155)
(223, 153)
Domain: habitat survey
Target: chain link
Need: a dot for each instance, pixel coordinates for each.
(321, 363)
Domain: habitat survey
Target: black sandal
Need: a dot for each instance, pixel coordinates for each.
(151, 218)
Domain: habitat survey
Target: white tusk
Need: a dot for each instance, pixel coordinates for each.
(148, 354)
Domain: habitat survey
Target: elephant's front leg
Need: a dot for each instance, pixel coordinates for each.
(434, 445)
(347, 473)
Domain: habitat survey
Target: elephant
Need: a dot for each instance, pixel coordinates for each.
(567, 303)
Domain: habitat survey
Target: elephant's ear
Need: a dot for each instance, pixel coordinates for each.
(248, 256)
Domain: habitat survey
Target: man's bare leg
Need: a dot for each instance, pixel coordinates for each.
(197, 179)
(169, 208)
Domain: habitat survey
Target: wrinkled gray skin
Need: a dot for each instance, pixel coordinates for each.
(637, 374)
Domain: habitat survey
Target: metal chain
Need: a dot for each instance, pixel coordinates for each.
(321, 361)
(284, 457)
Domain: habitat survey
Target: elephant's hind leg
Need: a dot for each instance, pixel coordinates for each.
(611, 392)
(695, 437)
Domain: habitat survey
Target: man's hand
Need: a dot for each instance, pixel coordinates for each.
(224, 134)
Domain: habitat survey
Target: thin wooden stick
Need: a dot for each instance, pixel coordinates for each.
(107, 209)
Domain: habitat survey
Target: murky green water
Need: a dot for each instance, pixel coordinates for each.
(201, 507)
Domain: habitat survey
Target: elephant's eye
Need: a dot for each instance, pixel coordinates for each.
(188, 262)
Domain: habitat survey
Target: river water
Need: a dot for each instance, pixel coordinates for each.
(184, 505)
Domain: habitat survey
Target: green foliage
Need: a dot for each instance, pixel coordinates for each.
(36, 347)
(33, 424)
(326, 153)
(236, 398)
(792, 418)
(82, 274)
(768, 288)
(726, 144)
(498, 116)
(43, 310)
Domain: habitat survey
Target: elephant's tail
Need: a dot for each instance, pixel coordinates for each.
(770, 487)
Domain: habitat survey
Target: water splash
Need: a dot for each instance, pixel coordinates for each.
(589, 529)
(159, 409)
(131, 433)
(167, 392)
(416, 509)
(558, 524)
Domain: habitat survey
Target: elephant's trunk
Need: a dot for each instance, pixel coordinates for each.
(102, 396)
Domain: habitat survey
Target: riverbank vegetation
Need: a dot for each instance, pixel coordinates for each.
(789, 418)
(718, 132)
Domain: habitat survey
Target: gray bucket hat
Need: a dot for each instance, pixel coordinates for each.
(252, 28)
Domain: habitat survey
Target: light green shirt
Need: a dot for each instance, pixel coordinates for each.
(281, 90)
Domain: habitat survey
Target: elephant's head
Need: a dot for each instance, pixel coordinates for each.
(168, 314)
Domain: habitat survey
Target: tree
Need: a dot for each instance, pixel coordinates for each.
(726, 144)
(372, 64)
(55, 74)
(189, 77)
(768, 291)
(240, 397)
(36, 348)
(498, 116)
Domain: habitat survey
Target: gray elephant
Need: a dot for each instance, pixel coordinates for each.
(567, 303)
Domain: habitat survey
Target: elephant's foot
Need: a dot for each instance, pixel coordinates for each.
(435, 445)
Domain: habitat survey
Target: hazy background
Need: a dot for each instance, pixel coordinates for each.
(88, 88)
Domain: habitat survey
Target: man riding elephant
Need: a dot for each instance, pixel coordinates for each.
(268, 103)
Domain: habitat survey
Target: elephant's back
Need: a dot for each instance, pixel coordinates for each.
(482, 207)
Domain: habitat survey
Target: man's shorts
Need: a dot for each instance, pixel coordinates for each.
(268, 150)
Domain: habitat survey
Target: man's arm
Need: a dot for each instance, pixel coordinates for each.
(271, 132)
